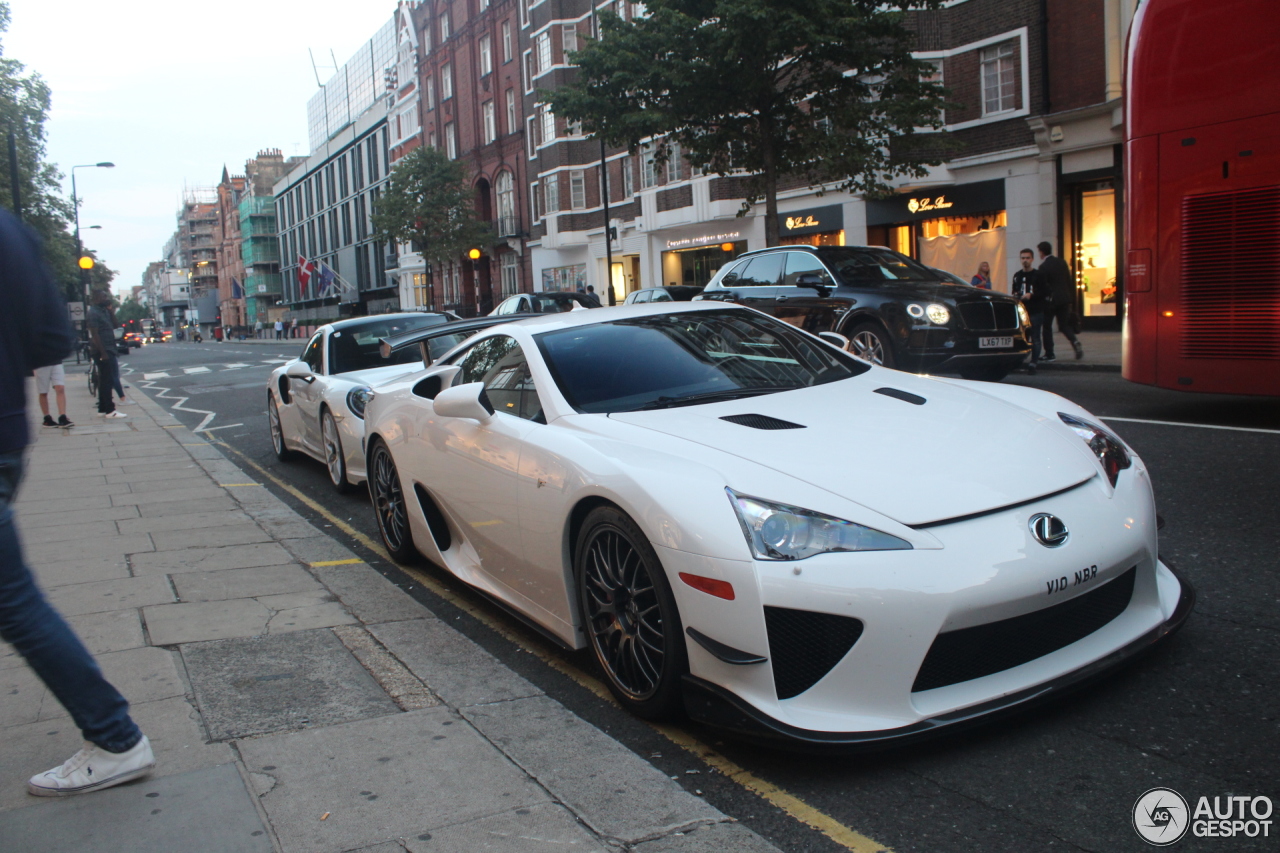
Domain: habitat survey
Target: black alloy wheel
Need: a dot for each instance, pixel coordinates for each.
(388, 503)
(630, 615)
(870, 343)
(283, 453)
(334, 459)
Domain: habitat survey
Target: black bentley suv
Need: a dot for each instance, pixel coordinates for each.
(893, 310)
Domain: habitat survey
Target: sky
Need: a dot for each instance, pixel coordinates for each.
(171, 92)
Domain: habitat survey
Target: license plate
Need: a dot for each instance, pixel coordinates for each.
(994, 343)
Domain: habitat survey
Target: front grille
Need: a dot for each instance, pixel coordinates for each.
(1231, 275)
(989, 316)
(804, 646)
(761, 422)
(970, 653)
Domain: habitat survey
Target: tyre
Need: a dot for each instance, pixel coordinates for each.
(334, 459)
(93, 378)
(389, 505)
(630, 615)
(870, 343)
(283, 453)
(985, 374)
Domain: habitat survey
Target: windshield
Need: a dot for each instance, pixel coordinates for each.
(870, 265)
(356, 347)
(687, 358)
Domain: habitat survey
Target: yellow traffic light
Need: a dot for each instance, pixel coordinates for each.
(86, 262)
(474, 254)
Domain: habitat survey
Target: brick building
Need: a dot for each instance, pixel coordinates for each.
(231, 307)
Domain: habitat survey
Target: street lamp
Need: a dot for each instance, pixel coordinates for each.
(75, 205)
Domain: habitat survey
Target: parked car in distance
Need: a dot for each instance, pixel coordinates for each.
(666, 293)
(894, 311)
(544, 302)
(754, 528)
(133, 339)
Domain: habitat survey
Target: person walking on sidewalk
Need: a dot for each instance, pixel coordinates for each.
(34, 332)
(102, 337)
(1061, 304)
(53, 375)
(1029, 286)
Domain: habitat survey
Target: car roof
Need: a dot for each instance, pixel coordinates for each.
(408, 339)
(356, 322)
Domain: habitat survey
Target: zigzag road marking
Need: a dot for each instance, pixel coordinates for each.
(177, 406)
(201, 369)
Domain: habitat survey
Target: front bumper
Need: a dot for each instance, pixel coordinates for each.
(716, 706)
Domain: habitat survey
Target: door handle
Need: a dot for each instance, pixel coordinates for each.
(779, 299)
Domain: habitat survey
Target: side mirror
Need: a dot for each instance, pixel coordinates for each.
(835, 339)
(465, 401)
(300, 370)
(815, 281)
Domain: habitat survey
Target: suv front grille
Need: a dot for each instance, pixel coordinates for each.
(804, 646)
(970, 653)
(989, 316)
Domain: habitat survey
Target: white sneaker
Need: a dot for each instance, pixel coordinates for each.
(93, 768)
(116, 414)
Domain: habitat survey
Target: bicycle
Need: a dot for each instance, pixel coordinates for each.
(93, 377)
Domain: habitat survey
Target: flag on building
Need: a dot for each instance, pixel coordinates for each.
(328, 278)
(237, 292)
(306, 269)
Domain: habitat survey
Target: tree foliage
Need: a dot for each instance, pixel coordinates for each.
(24, 109)
(428, 200)
(131, 309)
(826, 91)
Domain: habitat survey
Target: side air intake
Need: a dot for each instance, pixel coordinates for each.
(804, 646)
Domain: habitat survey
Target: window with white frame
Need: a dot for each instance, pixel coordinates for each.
(508, 265)
(444, 27)
(452, 284)
(648, 168)
(431, 139)
(547, 120)
(446, 81)
(675, 164)
(511, 111)
(407, 64)
(551, 193)
(577, 190)
(527, 70)
(531, 136)
(431, 92)
(568, 39)
(507, 55)
(628, 178)
(535, 201)
(505, 189)
(489, 121)
(426, 40)
(486, 56)
(451, 141)
(407, 123)
(543, 46)
(999, 92)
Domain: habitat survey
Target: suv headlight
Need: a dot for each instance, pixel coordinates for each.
(1023, 316)
(1109, 449)
(937, 314)
(779, 532)
(357, 399)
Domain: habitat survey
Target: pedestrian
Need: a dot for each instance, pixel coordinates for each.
(257, 330)
(35, 332)
(983, 278)
(118, 387)
(1029, 286)
(53, 375)
(1062, 301)
(101, 325)
(591, 295)
(279, 330)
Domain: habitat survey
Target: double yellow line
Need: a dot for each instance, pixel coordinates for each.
(787, 802)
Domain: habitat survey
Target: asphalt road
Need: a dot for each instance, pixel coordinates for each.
(1198, 715)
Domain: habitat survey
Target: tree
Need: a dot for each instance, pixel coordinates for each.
(24, 109)
(131, 309)
(822, 90)
(428, 201)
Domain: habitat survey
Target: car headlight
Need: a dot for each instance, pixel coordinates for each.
(915, 310)
(1023, 316)
(1109, 449)
(779, 532)
(357, 399)
(938, 314)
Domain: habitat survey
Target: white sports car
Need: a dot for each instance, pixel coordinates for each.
(315, 403)
(746, 523)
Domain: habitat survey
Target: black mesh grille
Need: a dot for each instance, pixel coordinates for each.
(989, 316)
(803, 646)
(760, 422)
(970, 653)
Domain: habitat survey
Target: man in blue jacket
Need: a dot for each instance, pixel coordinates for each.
(34, 332)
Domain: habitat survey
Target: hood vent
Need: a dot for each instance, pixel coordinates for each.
(760, 422)
(904, 396)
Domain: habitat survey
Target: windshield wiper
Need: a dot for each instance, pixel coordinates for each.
(711, 396)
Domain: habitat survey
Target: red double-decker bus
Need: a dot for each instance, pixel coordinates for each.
(1202, 179)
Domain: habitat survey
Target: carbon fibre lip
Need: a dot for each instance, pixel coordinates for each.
(721, 709)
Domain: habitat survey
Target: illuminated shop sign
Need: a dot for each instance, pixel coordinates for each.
(955, 200)
(812, 220)
(705, 240)
(920, 205)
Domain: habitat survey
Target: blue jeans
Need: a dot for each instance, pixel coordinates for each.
(43, 638)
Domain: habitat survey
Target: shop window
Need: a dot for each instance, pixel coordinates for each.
(999, 92)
